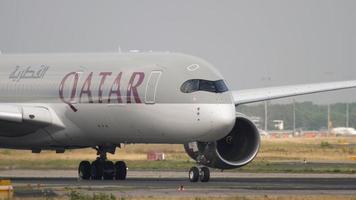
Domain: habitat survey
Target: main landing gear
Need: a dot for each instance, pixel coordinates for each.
(102, 168)
(199, 173)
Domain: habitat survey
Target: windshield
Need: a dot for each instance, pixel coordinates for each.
(194, 85)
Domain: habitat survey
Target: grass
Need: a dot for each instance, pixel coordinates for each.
(325, 149)
(276, 155)
(75, 195)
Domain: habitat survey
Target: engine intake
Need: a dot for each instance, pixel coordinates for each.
(235, 150)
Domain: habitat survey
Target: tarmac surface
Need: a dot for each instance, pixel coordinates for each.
(167, 183)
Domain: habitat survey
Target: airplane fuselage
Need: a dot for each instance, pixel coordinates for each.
(99, 99)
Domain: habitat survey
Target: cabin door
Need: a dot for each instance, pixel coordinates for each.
(151, 88)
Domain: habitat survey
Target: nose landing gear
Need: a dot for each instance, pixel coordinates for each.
(102, 168)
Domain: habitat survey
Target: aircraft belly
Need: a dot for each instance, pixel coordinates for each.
(157, 123)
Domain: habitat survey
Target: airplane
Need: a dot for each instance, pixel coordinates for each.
(103, 100)
(343, 131)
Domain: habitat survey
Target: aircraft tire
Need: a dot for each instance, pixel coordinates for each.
(96, 170)
(108, 170)
(204, 174)
(194, 174)
(84, 170)
(120, 170)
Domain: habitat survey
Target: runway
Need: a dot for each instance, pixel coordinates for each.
(150, 183)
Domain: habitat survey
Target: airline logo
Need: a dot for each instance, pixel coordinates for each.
(84, 92)
(29, 72)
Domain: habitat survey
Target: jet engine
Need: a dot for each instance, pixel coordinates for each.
(235, 150)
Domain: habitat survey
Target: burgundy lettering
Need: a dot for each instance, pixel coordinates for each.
(74, 87)
(115, 89)
(132, 87)
(86, 89)
(103, 78)
(86, 94)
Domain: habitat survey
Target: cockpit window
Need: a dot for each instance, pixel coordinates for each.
(194, 85)
(208, 86)
(221, 86)
(190, 86)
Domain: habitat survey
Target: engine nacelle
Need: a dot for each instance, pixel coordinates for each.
(235, 150)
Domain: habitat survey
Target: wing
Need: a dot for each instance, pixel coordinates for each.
(263, 94)
(19, 120)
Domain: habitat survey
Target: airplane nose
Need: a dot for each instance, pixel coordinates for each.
(217, 121)
(223, 121)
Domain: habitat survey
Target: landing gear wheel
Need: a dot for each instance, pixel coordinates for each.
(120, 170)
(102, 168)
(97, 170)
(204, 174)
(84, 170)
(194, 174)
(108, 170)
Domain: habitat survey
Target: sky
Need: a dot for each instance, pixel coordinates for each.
(253, 43)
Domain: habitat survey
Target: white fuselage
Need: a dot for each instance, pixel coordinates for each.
(107, 99)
